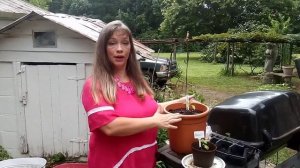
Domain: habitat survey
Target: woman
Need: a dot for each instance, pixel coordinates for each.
(123, 117)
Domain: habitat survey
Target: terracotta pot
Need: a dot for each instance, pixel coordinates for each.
(203, 158)
(182, 138)
(288, 70)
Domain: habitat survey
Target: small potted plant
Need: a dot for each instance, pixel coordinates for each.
(288, 70)
(203, 153)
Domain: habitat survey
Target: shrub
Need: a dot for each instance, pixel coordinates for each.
(4, 154)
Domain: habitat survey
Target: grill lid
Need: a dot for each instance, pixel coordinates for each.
(263, 119)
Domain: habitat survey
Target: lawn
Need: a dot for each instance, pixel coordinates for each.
(209, 75)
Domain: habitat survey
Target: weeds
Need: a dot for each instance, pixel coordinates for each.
(4, 154)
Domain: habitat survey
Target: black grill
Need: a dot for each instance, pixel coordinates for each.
(249, 127)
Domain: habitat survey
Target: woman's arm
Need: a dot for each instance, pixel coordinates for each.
(123, 126)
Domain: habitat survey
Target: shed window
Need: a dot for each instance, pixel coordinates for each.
(44, 39)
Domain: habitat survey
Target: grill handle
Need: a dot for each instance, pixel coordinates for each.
(267, 138)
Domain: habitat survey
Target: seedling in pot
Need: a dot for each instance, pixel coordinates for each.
(203, 138)
(203, 151)
(203, 144)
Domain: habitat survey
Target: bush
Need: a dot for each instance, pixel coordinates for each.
(4, 154)
(57, 158)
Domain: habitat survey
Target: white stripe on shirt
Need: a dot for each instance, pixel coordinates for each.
(99, 109)
(134, 150)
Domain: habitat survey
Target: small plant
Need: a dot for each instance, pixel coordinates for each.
(203, 144)
(196, 95)
(162, 136)
(160, 164)
(57, 158)
(203, 152)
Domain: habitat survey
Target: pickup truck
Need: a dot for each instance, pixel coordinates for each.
(158, 70)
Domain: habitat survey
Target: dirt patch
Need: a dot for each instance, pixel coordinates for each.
(213, 97)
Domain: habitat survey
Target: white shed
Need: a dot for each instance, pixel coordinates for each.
(44, 60)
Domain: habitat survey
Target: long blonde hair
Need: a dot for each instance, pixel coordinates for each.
(103, 78)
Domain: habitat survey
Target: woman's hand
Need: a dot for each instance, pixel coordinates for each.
(160, 109)
(180, 100)
(166, 120)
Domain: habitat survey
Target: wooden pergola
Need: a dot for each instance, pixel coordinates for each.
(231, 40)
(173, 41)
(252, 37)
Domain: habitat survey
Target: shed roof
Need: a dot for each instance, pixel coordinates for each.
(85, 26)
(17, 8)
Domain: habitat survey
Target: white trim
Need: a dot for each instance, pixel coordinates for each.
(99, 109)
(134, 150)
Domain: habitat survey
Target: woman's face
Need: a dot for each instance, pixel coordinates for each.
(118, 49)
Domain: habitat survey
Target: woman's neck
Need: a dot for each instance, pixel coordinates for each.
(122, 75)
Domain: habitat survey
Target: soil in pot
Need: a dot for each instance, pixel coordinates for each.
(203, 158)
(184, 111)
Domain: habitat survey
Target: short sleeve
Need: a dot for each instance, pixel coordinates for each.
(99, 114)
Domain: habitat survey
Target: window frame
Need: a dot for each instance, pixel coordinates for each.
(37, 44)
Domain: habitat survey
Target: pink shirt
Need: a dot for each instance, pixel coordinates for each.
(135, 151)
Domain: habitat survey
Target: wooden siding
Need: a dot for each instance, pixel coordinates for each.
(20, 38)
(55, 119)
(43, 112)
(4, 22)
(8, 117)
(46, 57)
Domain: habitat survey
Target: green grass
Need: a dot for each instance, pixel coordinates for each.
(283, 154)
(209, 74)
(296, 55)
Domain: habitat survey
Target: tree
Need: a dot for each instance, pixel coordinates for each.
(199, 16)
(142, 16)
(55, 6)
(215, 16)
(40, 3)
(173, 18)
(73, 7)
(280, 25)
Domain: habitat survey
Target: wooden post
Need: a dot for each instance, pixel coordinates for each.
(291, 52)
(215, 52)
(174, 51)
(232, 61)
(227, 59)
(187, 62)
